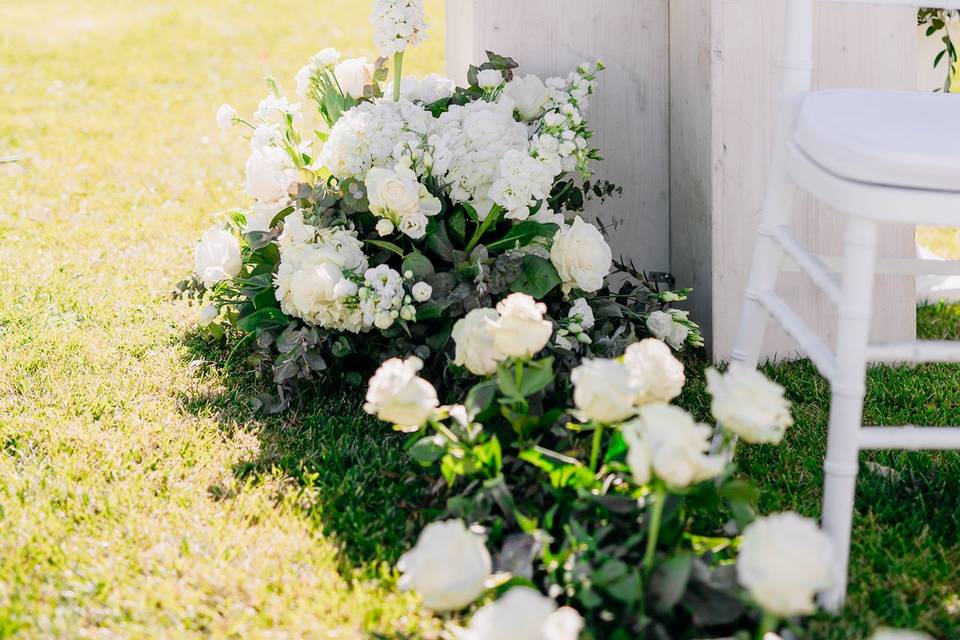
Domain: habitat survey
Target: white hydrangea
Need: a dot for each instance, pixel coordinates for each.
(428, 89)
(467, 146)
(397, 24)
(381, 296)
(374, 134)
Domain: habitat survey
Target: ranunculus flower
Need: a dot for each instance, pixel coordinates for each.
(784, 560)
(226, 116)
(421, 291)
(746, 402)
(448, 567)
(581, 256)
(662, 325)
(524, 614)
(529, 94)
(603, 390)
(269, 174)
(473, 337)
(217, 256)
(353, 75)
(582, 313)
(521, 329)
(656, 374)
(677, 445)
(396, 394)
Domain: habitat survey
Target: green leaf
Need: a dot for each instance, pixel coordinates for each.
(389, 246)
(427, 450)
(669, 582)
(458, 225)
(439, 242)
(263, 319)
(537, 278)
(430, 310)
(419, 264)
(523, 233)
(480, 397)
(536, 376)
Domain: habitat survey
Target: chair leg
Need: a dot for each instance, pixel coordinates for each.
(848, 389)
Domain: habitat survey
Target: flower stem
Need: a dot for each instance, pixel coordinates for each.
(768, 624)
(488, 222)
(397, 74)
(519, 376)
(660, 496)
(595, 451)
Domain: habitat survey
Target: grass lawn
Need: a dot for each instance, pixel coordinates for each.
(140, 496)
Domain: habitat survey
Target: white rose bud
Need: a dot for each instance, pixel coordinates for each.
(656, 373)
(448, 567)
(662, 325)
(226, 116)
(581, 256)
(784, 560)
(217, 257)
(524, 614)
(384, 227)
(529, 94)
(353, 75)
(473, 337)
(208, 314)
(421, 291)
(603, 391)
(407, 313)
(396, 394)
(749, 404)
(521, 330)
(582, 310)
(489, 78)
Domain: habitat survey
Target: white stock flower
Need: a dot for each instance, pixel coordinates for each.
(448, 566)
(226, 115)
(275, 109)
(676, 446)
(523, 614)
(489, 78)
(749, 404)
(521, 329)
(396, 195)
(382, 297)
(522, 182)
(217, 256)
(325, 57)
(785, 559)
(269, 174)
(396, 394)
(662, 325)
(473, 337)
(421, 291)
(582, 313)
(208, 314)
(430, 88)
(581, 256)
(397, 24)
(353, 75)
(528, 94)
(657, 375)
(603, 391)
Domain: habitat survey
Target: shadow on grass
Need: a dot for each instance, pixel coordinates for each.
(357, 484)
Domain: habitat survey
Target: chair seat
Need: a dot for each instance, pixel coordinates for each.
(905, 139)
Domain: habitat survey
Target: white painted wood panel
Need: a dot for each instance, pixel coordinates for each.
(629, 111)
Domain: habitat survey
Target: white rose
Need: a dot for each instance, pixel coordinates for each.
(523, 614)
(784, 560)
(226, 115)
(353, 75)
(750, 405)
(677, 445)
(269, 174)
(396, 394)
(421, 291)
(663, 327)
(656, 373)
(638, 454)
(315, 286)
(473, 337)
(602, 390)
(326, 57)
(529, 94)
(217, 257)
(384, 227)
(448, 567)
(489, 78)
(261, 214)
(581, 256)
(582, 310)
(208, 314)
(521, 329)
(394, 193)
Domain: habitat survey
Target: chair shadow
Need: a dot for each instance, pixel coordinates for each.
(354, 481)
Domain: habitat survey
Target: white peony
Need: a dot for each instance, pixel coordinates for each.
(217, 256)
(656, 374)
(396, 394)
(784, 560)
(662, 325)
(325, 57)
(581, 313)
(528, 94)
(353, 75)
(473, 337)
(676, 446)
(489, 79)
(581, 256)
(749, 404)
(269, 174)
(603, 391)
(521, 330)
(448, 567)
(421, 291)
(226, 116)
(397, 24)
(430, 88)
(523, 614)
